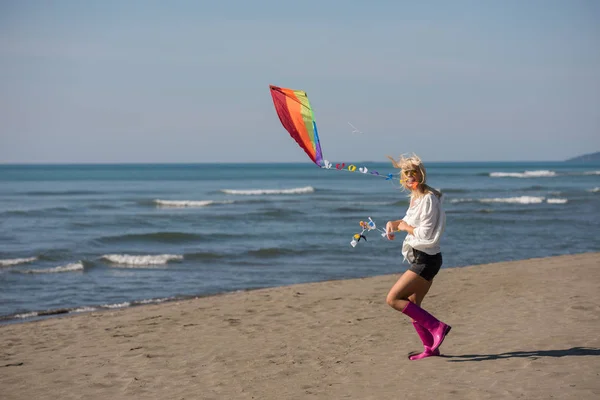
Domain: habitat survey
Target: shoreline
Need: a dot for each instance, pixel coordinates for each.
(520, 329)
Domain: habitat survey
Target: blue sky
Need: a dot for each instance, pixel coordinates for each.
(187, 81)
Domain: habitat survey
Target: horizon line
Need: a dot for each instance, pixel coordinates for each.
(257, 162)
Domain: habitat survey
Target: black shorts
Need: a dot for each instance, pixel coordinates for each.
(423, 264)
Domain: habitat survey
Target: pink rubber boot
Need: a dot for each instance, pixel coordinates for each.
(427, 340)
(437, 328)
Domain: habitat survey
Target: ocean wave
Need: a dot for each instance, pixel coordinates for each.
(595, 190)
(534, 188)
(189, 203)
(515, 200)
(379, 203)
(557, 201)
(526, 174)
(117, 305)
(454, 190)
(142, 302)
(276, 213)
(16, 261)
(204, 256)
(126, 304)
(258, 192)
(47, 313)
(74, 267)
(26, 315)
(140, 261)
(56, 254)
(273, 252)
(591, 173)
(350, 209)
(512, 200)
(62, 193)
(36, 212)
(153, 301)
(102, 207)
(83, 309)
(90, 308)
(155, 237)
(469, 212)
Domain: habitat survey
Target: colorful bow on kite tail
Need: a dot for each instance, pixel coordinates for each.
(296, 116)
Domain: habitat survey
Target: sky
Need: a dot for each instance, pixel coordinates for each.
(119, 81)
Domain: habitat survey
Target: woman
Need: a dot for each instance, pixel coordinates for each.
(424, 223)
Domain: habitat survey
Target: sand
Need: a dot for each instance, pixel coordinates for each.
(521, 330)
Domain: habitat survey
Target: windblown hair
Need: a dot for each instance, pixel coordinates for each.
(407, 163)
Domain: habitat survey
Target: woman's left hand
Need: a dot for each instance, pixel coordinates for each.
(403, 226)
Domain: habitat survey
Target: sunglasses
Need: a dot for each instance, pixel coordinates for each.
(409, 177)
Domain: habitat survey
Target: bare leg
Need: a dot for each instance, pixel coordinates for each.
(410, 287)
(406, 296)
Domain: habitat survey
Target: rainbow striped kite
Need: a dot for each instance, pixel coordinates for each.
(297, 118)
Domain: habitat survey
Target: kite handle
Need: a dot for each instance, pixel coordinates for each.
(366, 227)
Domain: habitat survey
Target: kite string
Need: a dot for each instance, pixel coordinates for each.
(362, 170)
(355, 129)
(353, 168)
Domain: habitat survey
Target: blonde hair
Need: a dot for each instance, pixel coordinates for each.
(407, 163)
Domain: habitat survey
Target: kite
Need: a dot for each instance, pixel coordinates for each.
(297, 117)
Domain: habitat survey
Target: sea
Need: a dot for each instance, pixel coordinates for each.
(80, 238)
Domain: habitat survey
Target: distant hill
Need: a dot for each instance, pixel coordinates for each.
(586, 157)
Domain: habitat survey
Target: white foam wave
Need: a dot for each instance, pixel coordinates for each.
(595, 190)
(526, 174)
(138, 261)
(16, 261)
(591, 173)
(84, 309)
(118, 305)
(514, 200)
(257, 192)
(154, 301)
(78, 266)
(188, 203)
(456, 201)
(557, 201)
(27, 315)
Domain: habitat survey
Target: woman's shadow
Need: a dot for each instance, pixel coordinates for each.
(535, 354)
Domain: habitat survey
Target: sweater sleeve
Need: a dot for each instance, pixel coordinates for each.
(430, 213)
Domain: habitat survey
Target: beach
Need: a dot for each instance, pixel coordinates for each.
(522, 329)
(101, 237)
